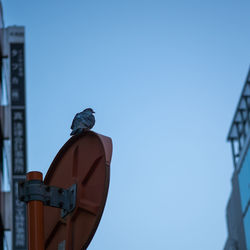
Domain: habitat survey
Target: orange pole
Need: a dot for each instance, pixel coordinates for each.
(35, 218)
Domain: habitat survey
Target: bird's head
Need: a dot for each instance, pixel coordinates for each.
(90, 110)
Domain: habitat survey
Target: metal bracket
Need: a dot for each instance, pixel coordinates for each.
(35, 190)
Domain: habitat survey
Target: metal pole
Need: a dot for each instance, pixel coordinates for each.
(35, 218)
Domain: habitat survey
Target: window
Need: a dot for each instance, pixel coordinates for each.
(244, 181)
(247, 228)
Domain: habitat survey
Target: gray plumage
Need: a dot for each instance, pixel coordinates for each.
(83, 121)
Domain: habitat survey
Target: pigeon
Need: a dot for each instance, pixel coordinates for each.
(83, 121)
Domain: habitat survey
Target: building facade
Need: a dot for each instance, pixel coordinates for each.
(1, 136)
(238, 207)
(13, 136)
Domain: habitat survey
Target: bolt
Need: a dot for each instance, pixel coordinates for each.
(60, 190)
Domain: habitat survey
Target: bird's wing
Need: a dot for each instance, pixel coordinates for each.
(75, 121)
(91, 121)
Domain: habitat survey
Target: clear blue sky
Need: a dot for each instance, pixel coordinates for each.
(164, 78)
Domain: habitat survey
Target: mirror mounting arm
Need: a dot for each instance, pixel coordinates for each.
(36, 190)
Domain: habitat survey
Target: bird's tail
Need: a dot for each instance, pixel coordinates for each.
(77, 131)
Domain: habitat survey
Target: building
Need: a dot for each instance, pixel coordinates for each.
(238, 207)
(1, 137)
(13, 166)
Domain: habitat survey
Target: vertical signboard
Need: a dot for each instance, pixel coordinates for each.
(17, 74)
(18, 134)
(18, 142)
(19, 233)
